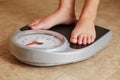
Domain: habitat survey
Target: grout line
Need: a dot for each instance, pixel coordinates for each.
(69, 74)
(59, 76)
(113, 74)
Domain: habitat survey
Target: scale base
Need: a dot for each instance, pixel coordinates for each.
(73, 53)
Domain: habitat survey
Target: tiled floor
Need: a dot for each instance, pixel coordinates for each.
(103, 66)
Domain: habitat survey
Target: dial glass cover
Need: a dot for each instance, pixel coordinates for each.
(39, 40)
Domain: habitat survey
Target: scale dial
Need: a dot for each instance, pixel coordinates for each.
(40, 39)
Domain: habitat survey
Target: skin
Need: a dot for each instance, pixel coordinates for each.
(84, 31)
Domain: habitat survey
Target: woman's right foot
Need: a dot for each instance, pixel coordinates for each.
(57, 17)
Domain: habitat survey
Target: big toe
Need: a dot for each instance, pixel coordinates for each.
(34, 27)
(35, 22)
(38, 26)
(73, 38)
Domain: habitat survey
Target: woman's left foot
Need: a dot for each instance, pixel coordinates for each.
(84, 33)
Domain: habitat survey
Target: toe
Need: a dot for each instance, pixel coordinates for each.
(85, 39)
(93, 38)
(89, 39)
(80, 39)
(37, 26)
(33, 27)
(73, 39)
(34, 23)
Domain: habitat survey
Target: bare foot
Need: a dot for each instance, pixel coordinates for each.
(84, 33)
(57, 17)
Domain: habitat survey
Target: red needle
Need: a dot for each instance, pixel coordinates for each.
(34, 42)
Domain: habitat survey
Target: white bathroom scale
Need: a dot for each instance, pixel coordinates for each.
(52, 47)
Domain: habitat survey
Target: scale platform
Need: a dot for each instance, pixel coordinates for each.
(70, 54)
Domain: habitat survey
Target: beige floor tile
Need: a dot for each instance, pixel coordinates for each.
(104, 65)
(12, 69)
(115, 76)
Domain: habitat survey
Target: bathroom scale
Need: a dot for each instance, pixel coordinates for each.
(52, 47)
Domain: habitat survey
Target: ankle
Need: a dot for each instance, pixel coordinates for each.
(66, 9)
(86, 20)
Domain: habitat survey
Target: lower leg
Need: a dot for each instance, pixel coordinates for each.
(67, 5)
